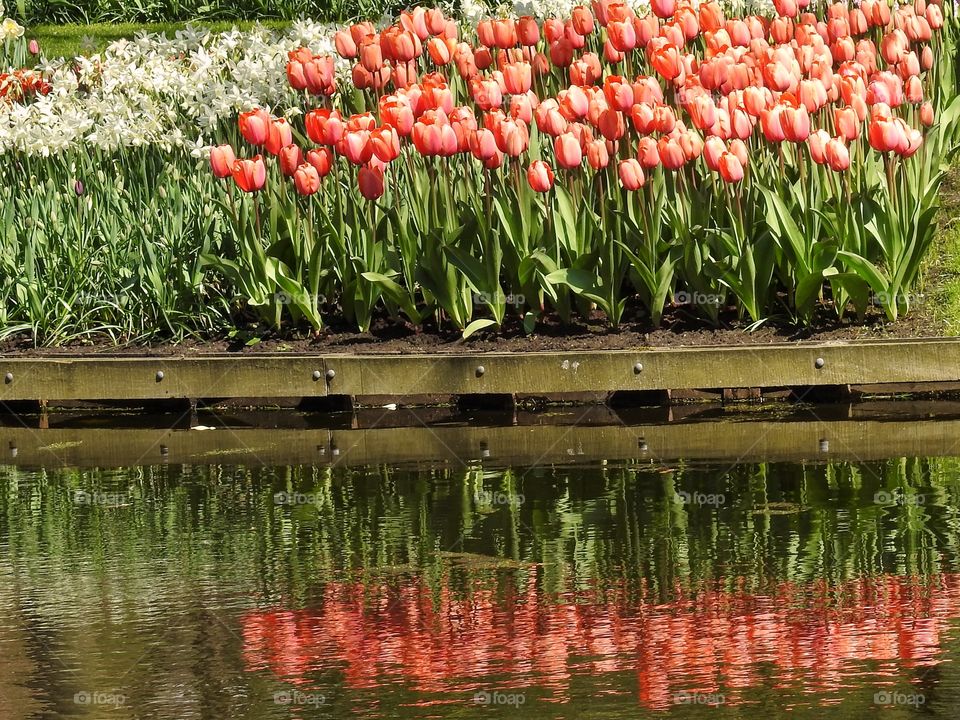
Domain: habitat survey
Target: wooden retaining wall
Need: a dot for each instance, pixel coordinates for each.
(894, 365)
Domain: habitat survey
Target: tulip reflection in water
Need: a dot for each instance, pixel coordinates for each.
(812, 639)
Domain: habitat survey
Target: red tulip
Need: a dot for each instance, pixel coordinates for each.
(612, 125)
(221, 161)
(731, 169)
(370, 182)
(324, 127)
(671, 153)
(528, 32)
(255, 126)
(648, 154)
(280, 136)
(385, 142)
(582, 20)
(622, 35)
(663, 8)
(846, 123)
(540, 176)
(518, 78)
(250, 175)
(345, 44)
(598, 156)
(321, 159)
(291, 157)
(631, 174)
(568, 151)
(838, 157)
(306, 179)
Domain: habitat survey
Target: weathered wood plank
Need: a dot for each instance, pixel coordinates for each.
(712, 440)
(266, 376)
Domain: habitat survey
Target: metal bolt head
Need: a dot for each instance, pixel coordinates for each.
(638, 368)
(480, 370)
(159, 375)
(819, 363)
(331, 374)
(316, 375)
(8, 378)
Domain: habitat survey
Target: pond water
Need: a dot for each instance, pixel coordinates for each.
(597, 590)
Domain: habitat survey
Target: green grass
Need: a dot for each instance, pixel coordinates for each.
(942, 276)
(72, 40)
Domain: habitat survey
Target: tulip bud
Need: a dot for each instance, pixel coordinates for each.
(306, 179)
(631, 174)
(33, 47)
(926, 114)
(540, 176)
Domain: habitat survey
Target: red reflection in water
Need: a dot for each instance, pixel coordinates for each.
(803, 636)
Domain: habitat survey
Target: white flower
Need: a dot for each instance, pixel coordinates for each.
(11, 29)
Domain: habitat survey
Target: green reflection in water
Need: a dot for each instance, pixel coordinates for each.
(202, 591)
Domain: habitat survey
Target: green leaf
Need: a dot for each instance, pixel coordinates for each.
(478, 325)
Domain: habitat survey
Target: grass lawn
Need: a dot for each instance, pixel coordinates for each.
(941, 281)
(71, 40)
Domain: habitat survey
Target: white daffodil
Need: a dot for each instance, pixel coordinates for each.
(10, 29)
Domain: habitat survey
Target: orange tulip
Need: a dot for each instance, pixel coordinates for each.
(345, 44)
(631, 174)
(291, 157)
(568, 151)
(663, 8)
(221, 161)
(540, 176)
(838, 157)
(324, 126)
(731, 169)
(847, 123)
(322, 160)
(250, 175)
(528, 32)
(598, 156)
(280, 136)
(648, 153)
(385, 143)
(306, 179)
(255, 126)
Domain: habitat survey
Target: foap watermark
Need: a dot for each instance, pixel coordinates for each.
(493, 497)
(885, 299)
(892, 697)
(699, 498)
(897, 497)
(687, 697)
(498, 298)
(295, 697)
(295, 498)
(697, 298)
(483, 697)
(96, 697)
(86, 497)
(299, 298)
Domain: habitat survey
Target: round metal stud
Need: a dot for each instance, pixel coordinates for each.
(638, 368)
(331, 374)
(480, 370)
(819, 363)
(8, 378)
(159, 375)
(316, 375)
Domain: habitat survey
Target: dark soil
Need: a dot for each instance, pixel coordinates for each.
(681, 327)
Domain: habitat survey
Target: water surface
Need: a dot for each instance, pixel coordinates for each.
(602, 590)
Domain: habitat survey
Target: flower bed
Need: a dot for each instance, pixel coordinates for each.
(471, 172)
